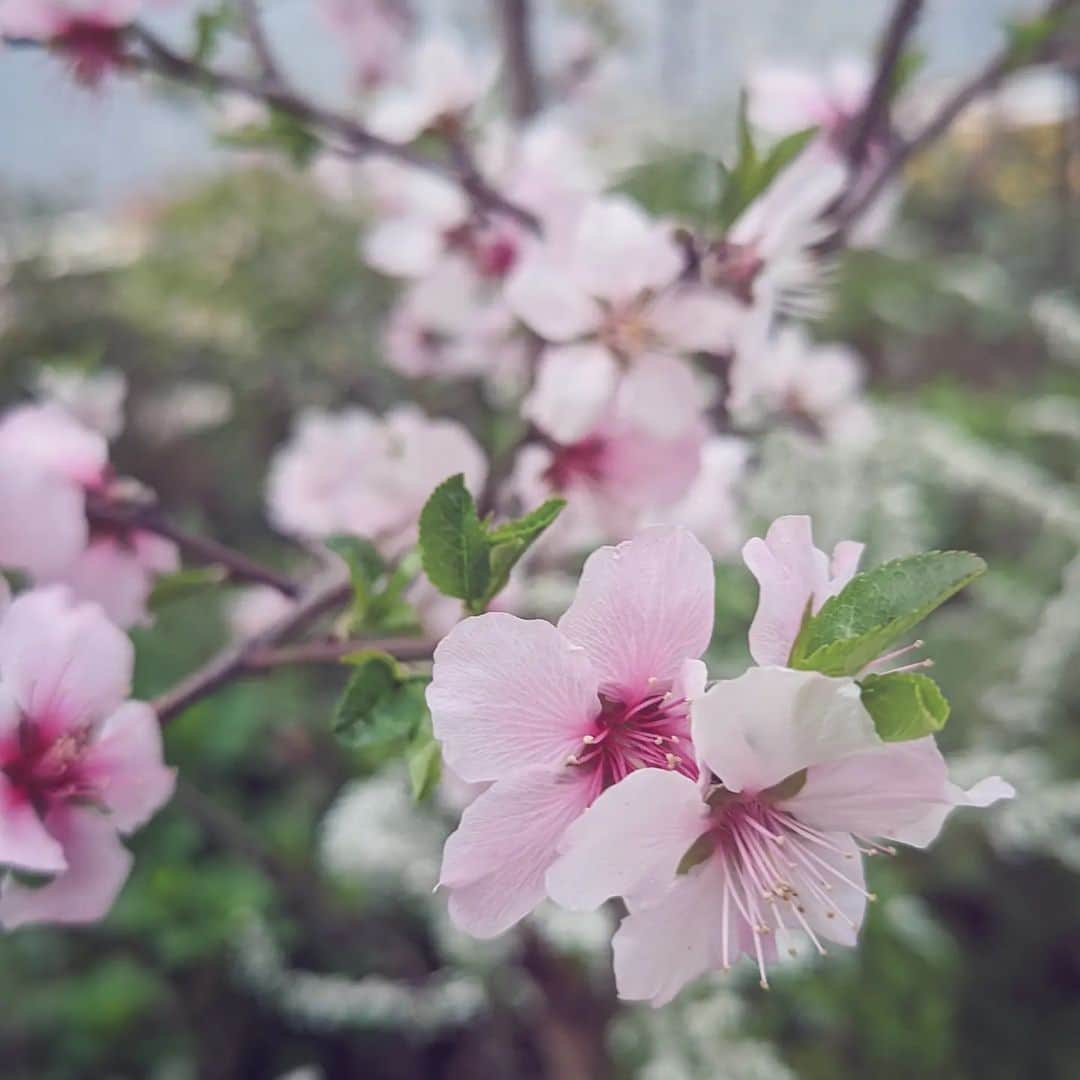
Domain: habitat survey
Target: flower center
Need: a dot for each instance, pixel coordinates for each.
(734, 267)
(45, 770)
(580, 462)
(626, 329)
(91, 49)
(652, 733)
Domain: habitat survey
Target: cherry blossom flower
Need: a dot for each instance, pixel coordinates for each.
(597, 451)
(438, 85)
(611, 284)
(50, 461)
(374, 34)
(793, 575)
(79, 764)
(89, 33)
(815, 386)
(255, 609)
(54, 463)
(356, 473)
(554, 715)
(763, 855)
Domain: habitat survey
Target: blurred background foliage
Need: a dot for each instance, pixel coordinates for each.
(296, 932)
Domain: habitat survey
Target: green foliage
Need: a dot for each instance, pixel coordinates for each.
(424, 761)
(280, 131)
(378, 604)
(183, 584)
(466, 558)
(210, 24)
(1027, 36)
(904, 705)
(382, 707)
(683, 186)
(878, 606)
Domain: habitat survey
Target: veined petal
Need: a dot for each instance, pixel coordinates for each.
(25, 843)
(629, 842)
(507, 693)
(545, 296)
(642, 608)
(494, 864)
(575, 386)
(97, 866)
(772, 722)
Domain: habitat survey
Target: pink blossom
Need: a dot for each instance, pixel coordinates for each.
(352, 472)
(79, 764)
(89, 33)
(611, 283)
(440, 82)
(50, 460)
(816, 386)
(554, 715)
(763, 855)
(374, 34)
(785, 100)
(95, 399)
(793, 576)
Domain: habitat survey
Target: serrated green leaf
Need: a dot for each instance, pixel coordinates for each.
(875, 608)
(904, 705)
(376, 675)
(454, 548)
(365, 563)
(191, 581)
(424, 762)
(529, 526)
(504, 557)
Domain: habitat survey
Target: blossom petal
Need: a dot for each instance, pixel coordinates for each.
(772, 722)
(494, 864)
(25, 843)
(828, 878)
(663, 946)
(125, 765)
(629, 842)
(42, 520)
(661, 395)
(507, 693)
(66, 665)
(403, 247)
(97, 866)
(544, 296)
(574, 388)
(642, 608)
(900, 791)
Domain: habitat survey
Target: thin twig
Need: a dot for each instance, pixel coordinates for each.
(260, 43)
(983, 82)
(325, 595)
(106, 513)
(874, 113)
(162, 59)
(519, 63)
(332, 652)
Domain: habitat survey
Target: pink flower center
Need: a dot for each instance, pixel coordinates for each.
(777, 869)
(579, 463)
(45, 770)
(653, 733)
(91, 49)
(734, 267)
(626, 328)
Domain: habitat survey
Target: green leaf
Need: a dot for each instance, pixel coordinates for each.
(191, 581)
(682, 186)
(376, 676)
(453, 545)
(1027, 36)
(365, 564)
(529, 526)
(904, 705)
(780, 156)
(425, 763)
(209, 26)
(877, 607)
(279, 131)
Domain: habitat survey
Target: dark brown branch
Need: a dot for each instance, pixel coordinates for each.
(230, 664)
(983, 82)
(260, 43)
(875, 112)
(351, 136)
(106, 513)
(332, 652)
(519, 63)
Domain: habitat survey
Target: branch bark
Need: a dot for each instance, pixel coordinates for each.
(260, 43)
(522, 79)
(106, 513)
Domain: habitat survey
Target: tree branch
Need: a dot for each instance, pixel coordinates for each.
(324, 595)
(332, 652)
(874, 113)
(162, 59)
(518, 60)
(260, 44)
(107, 513)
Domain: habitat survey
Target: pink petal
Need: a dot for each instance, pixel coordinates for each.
(791, 574)
(65, 665)
(834, 899)
(695, 320)
(661, 947)
(42, 520)
(629, 842)
(494, 864)
(771, 722)
(111, 575)
(97, 866)
(661, 395)
(25, 843)
(48, 438)
(900, 791)
(642, 608)
(125, 766)
(507, 693)
(545, 297)
(403, 247)
(575, 386)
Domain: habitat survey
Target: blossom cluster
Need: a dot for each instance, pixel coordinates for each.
(730, 818)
